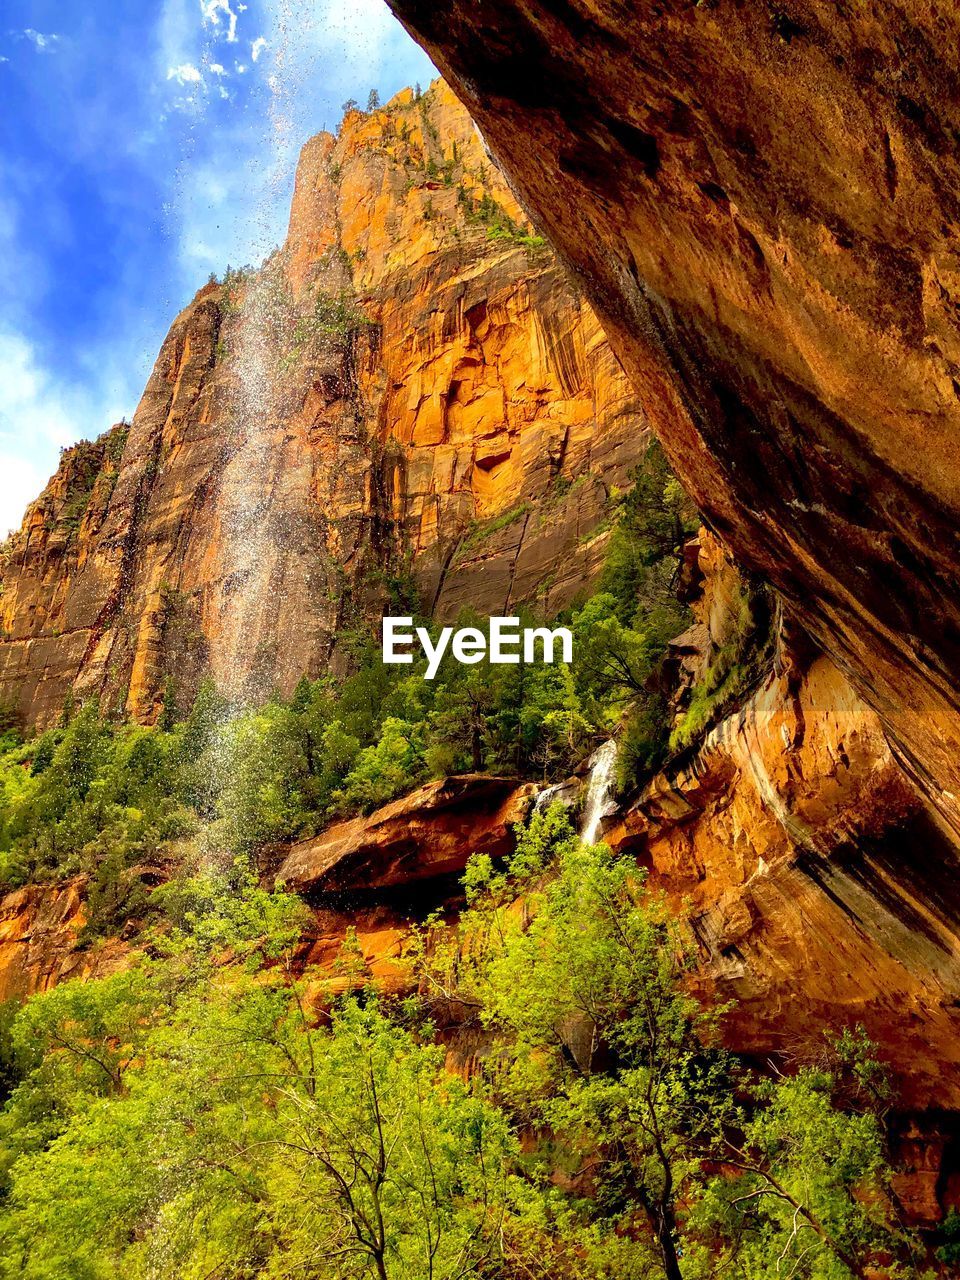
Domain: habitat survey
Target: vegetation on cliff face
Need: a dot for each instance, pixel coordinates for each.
(199, 1115)
(88, 469)
(127, 804)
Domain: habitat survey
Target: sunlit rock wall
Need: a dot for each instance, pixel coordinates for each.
(407, 392)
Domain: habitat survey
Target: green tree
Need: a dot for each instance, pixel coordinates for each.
(657, 514)
(579, 974)
(386, 769)
(264, 795)
(458, 724)
(243, 1140)
(806, 1191)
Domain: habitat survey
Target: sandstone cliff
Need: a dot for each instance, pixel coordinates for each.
(428, 834)
(762, 201)
(408, 390)
(817, 885)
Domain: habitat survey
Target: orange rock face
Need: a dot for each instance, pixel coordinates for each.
(408, 385)
(762, 204)
(431, 832)
(39, 925)
(817, 884)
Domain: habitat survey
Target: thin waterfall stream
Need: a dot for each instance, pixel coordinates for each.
(599, 802)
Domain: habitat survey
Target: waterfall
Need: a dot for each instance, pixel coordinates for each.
(598, 803)
(545, 798)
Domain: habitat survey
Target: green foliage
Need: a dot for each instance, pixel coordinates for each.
(488, 212)
(191, 1116)
(643, 741)
(810, 1191)
(265, 792)
(653, 520)
(333, 314)
(949, 1252)
(190, 1121)
(611, 1067)
(723, 680)
(385, 770)
(235, 281)
(226, 911)
(10, 1057)
(117, 442)
(85, 795)
(86, 463)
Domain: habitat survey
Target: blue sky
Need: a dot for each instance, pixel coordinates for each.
(144, 144)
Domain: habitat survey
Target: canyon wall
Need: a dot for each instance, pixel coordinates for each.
(817, 883)
(407, 398)
(762, 203)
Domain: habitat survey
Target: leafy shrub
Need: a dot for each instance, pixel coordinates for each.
(192, 1116)
(385, 770)
(949, 1252)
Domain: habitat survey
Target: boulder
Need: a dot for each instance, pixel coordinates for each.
(431, 832)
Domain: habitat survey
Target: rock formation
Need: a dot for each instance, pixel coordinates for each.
(408, 393)
(761, 202)
(818, 886)
(430, 833)
(39, 930)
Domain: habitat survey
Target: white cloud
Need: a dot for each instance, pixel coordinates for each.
(38, 417)
(21, 482)
(186, 73)
(43, 43)
(212, 11)
(44, 407)
(258, 47)
(34, 405)
(216, 69)
(241, 68)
